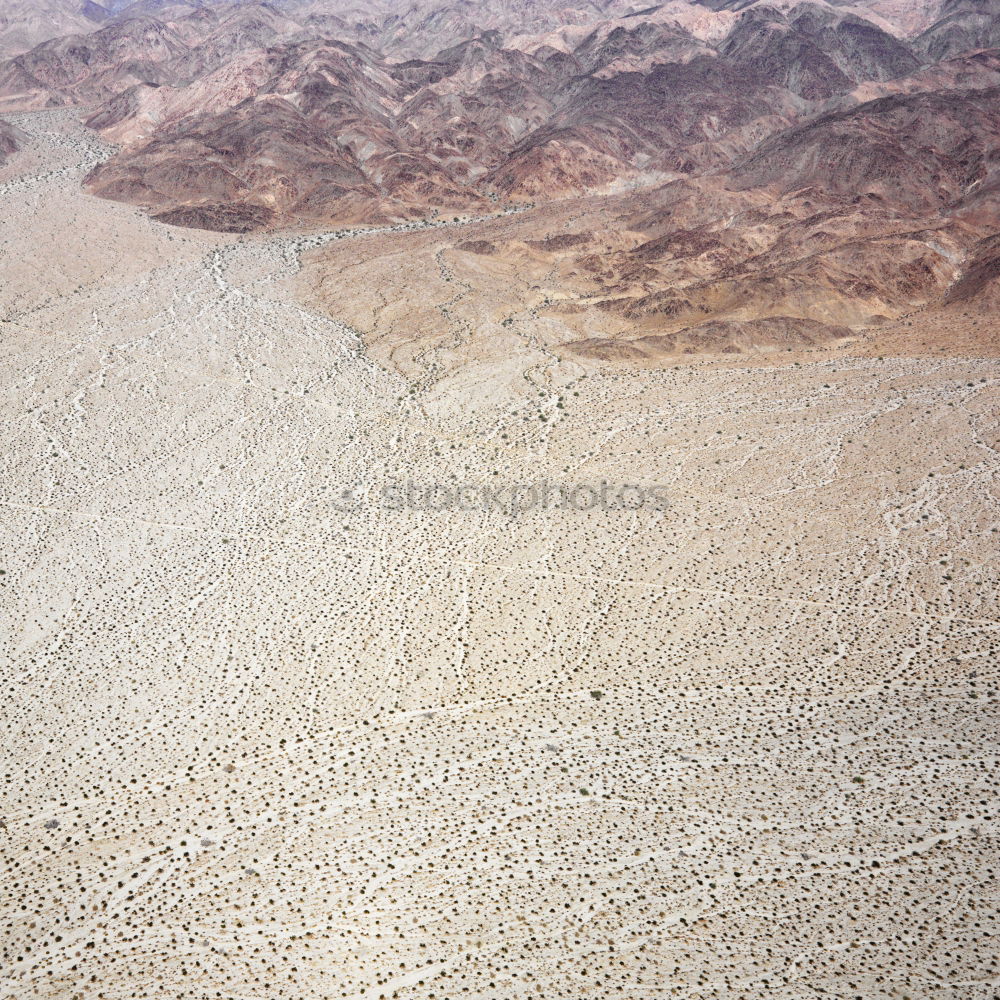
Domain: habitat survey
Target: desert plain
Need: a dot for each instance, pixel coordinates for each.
(266, 736)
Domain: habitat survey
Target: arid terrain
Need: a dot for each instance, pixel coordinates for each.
(270, 734)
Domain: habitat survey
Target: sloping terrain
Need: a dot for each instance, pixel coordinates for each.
(309, 113)
(963, 25)
(27, 23)
(8, 141)
(923, 151)
(810, 170)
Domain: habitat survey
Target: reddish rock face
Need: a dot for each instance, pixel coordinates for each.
(27, 23)
(923, 150)
(246, 116)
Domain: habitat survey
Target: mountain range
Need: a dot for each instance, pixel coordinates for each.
(833, 162)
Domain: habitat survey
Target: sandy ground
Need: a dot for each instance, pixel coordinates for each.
(262, 740)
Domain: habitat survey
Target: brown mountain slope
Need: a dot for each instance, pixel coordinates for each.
(138, 49)
(9, 141)
(760, 176)
(312, 141)
(923, 150)
(813, 51)
(27, 23)
(980, 281)
(963, 26)
(576, 107)
(805, 200)
(603, 100)
(788, 250)
(82, 69)
(678, 118)
(480, 120)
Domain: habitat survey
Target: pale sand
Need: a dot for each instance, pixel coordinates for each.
(256, 747)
